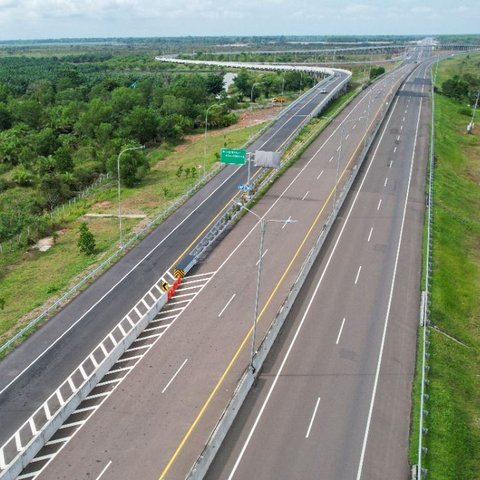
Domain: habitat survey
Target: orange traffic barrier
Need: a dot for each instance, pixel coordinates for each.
(173, 288)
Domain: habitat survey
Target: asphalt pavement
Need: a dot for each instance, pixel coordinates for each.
(30, 373)
(333, 400)
(157, 416)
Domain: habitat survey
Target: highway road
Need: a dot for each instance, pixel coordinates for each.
(34, 370)
(152, 414)
(333, 400)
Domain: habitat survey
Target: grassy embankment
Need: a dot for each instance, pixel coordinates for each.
(31, 278)
(453, 422)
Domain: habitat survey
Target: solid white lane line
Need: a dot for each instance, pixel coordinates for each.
(313, 418)
(392, 288)
(173, 378)
(104, 470)
(370, 234)
(309, 306)
(379, 204)
(320, 174)
(228, 303)
(264, 253)
(340, 332)
(305, 196)
(386, 181)
(358, 274)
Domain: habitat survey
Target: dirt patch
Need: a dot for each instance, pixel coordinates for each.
(102, 205)
(44, 244)
(246, 119)
(138, 227)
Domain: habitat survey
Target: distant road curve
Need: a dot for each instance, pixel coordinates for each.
(325, 71)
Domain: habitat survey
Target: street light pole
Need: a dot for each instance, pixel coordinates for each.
(263, 227)
(342, 134)
(118, 189)
(205, 142)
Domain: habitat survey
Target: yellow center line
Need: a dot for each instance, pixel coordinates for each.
(249, 333)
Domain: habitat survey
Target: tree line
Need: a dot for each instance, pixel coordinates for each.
(63, 121)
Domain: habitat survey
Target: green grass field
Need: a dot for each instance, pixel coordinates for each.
(453, 439)
(51, 273)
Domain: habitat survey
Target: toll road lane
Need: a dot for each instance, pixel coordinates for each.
(361, 426)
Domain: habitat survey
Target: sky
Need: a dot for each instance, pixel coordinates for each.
(42, 19)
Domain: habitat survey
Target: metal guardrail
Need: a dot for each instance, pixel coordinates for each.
(28, 440)
(200, 467)
(425, 310)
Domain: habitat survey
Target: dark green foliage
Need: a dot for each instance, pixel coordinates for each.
(462, 88)
(6, 118)
(86, 240)
(214, 84)
(376, 72)
(65, 118)
(244, 83)
(133, 167)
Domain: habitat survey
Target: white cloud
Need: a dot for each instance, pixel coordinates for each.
(64, 18)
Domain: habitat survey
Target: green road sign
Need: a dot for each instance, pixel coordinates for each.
(236, 156)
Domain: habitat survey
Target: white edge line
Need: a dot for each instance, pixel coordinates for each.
(313, 418)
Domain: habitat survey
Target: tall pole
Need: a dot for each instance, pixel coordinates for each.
(263, 226)
(205, 142)
(257, 292)
(338, 168)
(118, 190)
(475, 109)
